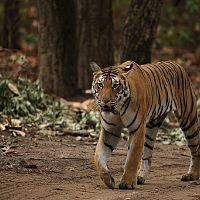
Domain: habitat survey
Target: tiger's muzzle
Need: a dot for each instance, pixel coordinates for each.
(107, 108)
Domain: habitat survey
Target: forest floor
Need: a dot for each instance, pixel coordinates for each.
(62, 168)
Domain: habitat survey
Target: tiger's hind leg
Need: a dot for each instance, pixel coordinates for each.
(150, 138)
(191, 129)
(193, 138)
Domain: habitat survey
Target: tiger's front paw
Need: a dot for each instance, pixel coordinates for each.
(128, 186)
(140, 180)
(108, 180)
(189, 177)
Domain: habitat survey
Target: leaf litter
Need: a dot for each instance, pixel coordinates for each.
(25, 107)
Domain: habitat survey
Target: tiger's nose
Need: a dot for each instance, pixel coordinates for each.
(106, 106)
(105, 102)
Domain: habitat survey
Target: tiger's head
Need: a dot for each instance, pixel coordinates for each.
(110, 86)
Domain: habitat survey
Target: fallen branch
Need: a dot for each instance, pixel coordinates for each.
(82, 133)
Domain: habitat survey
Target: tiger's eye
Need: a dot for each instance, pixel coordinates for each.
(115, 85)
(100, 85)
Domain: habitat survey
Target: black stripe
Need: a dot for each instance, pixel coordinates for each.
(190, 124)
(147, 158)
(180, 85)
(171, 71)
(181, 107)
(148, 137)
(133, 131)
(168, 106)
(157, 93)
(147, 73)
(152, 88)
(183, 90)
(107, 121)
(149, 126)
(166, 71)
(164, 77)
(148, 146)
(159, 78)
(109, 146)
(166, 92)
(152, 125)
(189, 114)
(127, 102)
(185, 95)
(193, 135)
(160, 110)
(110, 133)
(134, 117)
(171, 67)
(168, 76)
(150, 108)
(113, 74)
(154, 112)
(152, 75)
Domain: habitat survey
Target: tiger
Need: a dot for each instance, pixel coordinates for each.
(138, 98)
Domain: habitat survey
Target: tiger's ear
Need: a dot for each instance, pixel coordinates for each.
(94, 67)
(127, 68)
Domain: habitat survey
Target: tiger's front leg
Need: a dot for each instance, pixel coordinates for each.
(107, 142)
(129, 177)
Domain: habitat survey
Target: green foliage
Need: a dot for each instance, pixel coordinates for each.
(26, 101)
(22, 99)
(193, 6)
(170, 136)
(31, 39)
(180, 25)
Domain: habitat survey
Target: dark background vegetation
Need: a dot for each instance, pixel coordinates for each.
(70, 34)
(60, 39)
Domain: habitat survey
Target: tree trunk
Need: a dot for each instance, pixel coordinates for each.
(10, 31)
(96, 37)
(140, 29)
(57, 47)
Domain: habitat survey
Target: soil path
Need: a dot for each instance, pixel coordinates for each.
(61, 168)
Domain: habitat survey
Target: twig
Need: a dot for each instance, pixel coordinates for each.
(82, 133)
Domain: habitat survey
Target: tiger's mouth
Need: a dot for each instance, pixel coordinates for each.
(107, 109)
(110, 109)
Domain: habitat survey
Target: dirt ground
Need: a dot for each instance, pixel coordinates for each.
(62, 168)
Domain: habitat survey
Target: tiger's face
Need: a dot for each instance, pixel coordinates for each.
(110, 87)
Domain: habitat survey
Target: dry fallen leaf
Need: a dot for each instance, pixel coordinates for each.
(8, 150)
(13, 88)
(15, 123)
(19, 133)
(2, 127)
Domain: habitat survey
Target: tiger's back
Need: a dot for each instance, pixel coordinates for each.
(170, 89)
